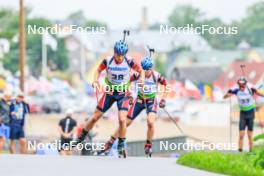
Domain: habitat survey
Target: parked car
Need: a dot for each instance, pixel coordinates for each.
(35, 104)
(51, 107)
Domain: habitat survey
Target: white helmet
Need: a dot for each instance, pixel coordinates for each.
(69, 112)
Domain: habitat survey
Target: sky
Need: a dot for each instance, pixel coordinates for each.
(119, 14)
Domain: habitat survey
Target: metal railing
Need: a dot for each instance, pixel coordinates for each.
(136, 148)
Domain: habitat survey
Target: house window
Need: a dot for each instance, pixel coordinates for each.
(231, 74)
(252, 74)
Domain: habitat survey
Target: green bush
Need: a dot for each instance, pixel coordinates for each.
(259, 137)
(259, 162)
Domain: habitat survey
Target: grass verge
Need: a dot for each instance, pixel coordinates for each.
(236, 164)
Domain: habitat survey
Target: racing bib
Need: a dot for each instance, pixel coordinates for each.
(118, 75)
(150, 86)
(246, 100)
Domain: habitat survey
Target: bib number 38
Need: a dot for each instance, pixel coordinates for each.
(117, 77)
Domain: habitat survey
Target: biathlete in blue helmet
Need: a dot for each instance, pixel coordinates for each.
(118, 70)
(146, 99)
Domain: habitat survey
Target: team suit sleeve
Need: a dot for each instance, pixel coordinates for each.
(102, 65)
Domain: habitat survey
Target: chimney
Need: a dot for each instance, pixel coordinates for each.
(144, 22)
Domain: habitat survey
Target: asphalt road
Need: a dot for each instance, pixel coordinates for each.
(33, 165)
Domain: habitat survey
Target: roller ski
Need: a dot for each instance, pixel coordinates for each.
(122, 153)
(148, 149)
(107, 148)
(80, 139)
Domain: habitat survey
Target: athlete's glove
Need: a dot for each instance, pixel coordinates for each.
(162, 103)
(130, 98)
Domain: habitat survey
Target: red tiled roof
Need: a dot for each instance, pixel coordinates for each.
(253, 72)
(137, 56)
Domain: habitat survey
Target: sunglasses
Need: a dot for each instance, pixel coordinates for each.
(242, 85)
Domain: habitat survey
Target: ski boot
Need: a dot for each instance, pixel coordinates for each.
(148, 149)
(80, 139)
(108, 146)
(121, 148)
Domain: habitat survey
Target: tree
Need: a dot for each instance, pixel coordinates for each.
(9, 23)
(11, 60)
(58, 60)
(160, 65)
(34, 45)
(251, 28)
(9, 30)
(220, 41)
(78, 18)
(94, 23)
(185, 14)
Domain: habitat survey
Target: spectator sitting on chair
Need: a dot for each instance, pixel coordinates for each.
(67, 127)
(18, 111)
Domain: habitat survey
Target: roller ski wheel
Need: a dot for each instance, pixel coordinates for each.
(148, 153)
(108, 146)
(148, 150)
(101, 153)
(80, 139)
(122, 153)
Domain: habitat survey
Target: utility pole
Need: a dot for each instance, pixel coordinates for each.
(22, 44)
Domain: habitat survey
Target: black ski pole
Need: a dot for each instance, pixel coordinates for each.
(173, 120)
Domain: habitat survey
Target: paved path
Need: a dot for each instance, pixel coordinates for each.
(33, 165)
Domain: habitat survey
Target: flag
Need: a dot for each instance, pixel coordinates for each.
(177, 89)
(218, 92)
(201, 88)
(192, 90)
(189, 85)
(49, 40)
(208, 92)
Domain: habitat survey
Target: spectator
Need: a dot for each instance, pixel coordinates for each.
(67, 127)
(5, 102)
(18, 110)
